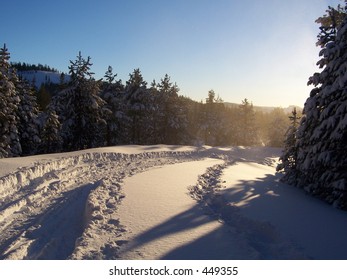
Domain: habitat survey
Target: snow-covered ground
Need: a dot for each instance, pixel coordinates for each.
(161, 202)
(42, 77)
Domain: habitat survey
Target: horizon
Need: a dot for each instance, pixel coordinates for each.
(227, 46)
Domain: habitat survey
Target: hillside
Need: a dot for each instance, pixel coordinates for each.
(42, 77)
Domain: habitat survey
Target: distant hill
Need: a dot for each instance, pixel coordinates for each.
(266, 109)
(42, 77)
(39, 73)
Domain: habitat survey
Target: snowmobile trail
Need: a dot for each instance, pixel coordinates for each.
(161, 202)
(61, 208)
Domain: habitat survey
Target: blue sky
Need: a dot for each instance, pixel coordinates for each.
(261, 50)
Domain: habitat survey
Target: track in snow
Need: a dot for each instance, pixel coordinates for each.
(58, 209)
(164, 222)
(70, 207)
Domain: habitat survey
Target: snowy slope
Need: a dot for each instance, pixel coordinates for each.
(160, 202)
(42, 77)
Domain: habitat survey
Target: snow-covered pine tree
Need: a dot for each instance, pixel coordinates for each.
(289, 154)
(28, 126)
(51, 141)
(321, 166)
(135, 101)
(175, 119)
(112, 93)
(248, 134)
(109, 76)
(9, 101)
(212, 124)
(155, 114)
(80, 108)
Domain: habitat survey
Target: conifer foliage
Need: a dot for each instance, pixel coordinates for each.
(9, 101)
(289, 157)
(80, 108)
(247, 129)
(321, 164)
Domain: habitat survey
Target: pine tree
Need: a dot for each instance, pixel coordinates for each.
(290, 153)
(9, 101)
(109, 76)
(51, 138)
(321, 166)
(112, 94)
(135, 102)
(80, 108)
(28, 124)
(277, 127)
(248, 134)
(212, 122)
(175, 121)
(43, 97)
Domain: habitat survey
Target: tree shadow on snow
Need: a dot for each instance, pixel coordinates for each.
(262, 219)
(209, 246)
(53, 233)
(307, 223)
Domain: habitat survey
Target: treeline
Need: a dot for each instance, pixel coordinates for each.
(315, 152)
(22, 66)
(86, 113)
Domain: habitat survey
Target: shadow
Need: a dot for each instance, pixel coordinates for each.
(311, 225)
(160, 146)
(262, 219)
(237, 237)
(188, 220)
(53, 233)
(211, 246)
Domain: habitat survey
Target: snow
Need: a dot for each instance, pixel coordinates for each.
(315, 228)
(161, 202)
(155, 232)
(42, 77)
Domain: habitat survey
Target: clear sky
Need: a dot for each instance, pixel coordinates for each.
(263, 50)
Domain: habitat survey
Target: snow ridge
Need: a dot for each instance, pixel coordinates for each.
(85, 188)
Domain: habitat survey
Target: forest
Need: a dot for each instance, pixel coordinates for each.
(86, 113)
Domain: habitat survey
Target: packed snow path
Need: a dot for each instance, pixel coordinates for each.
(63, 206)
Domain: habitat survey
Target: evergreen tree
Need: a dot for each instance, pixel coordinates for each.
(212, 121)
(109, 76)
(329, 24)
(289, 156)
(80, 108)
(321, 166)
(28, 124)
(175, 121)
(51, 139)
(112, 94)
(43, 97)
(277, 127)
(135, 102)
(9, 101)
(62, 79)
(248, 134)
